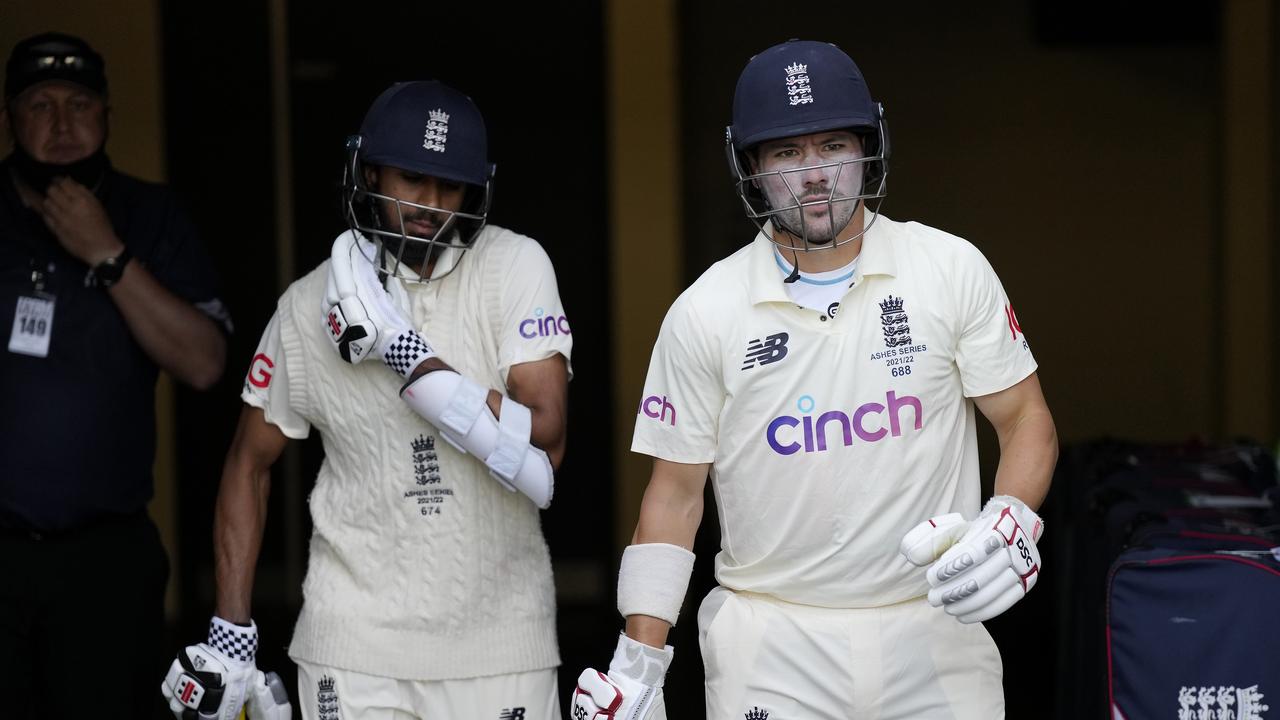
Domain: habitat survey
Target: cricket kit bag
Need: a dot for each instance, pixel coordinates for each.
(1193, 631)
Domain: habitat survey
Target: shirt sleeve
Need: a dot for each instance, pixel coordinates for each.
(992, 353)
(532, 325)
(266, 386)
(679, 412)
(182, 265)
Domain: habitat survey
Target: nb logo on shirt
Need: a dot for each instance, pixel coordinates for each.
(515, 713)
(770, 350)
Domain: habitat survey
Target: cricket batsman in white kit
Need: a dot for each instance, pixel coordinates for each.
(825, 378)
(431, 352)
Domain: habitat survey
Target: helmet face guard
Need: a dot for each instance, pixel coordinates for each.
(851, 183)
(363, 208)
(796, 89)
(425, 128)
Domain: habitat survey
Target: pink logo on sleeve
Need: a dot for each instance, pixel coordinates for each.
(543, 324)
(657, 408)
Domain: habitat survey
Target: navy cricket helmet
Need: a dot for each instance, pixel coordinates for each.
(801, 87)
(423, 127)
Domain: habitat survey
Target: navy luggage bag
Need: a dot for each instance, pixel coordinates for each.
(1193, 632)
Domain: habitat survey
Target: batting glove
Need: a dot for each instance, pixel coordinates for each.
(632, 690)
(208, 681)
(361, 318)
(978, 569)
(268, 699)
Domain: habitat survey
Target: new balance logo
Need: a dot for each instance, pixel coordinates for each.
(770, 350)
(515, 713)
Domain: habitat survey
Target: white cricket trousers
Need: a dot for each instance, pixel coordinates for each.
(766, 658)
(326, 693)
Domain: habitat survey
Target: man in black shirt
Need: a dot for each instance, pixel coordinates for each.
(103, 283)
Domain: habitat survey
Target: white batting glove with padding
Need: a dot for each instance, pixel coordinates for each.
(978, 569)
(268, 699)
(361, 317)
(209, 681)
(632, 690)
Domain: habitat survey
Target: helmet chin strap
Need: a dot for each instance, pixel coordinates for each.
(383, 275)
(795, 268)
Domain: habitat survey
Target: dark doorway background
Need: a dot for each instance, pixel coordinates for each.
(537, 77)
(956, 80)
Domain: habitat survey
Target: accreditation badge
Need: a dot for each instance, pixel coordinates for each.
(32, 325)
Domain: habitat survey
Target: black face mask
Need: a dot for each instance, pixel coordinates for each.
(38, 175)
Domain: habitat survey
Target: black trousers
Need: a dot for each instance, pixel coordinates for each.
(82, 622)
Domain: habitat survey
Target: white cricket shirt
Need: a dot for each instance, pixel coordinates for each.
(831, 437)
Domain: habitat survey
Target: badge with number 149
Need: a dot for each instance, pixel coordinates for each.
(32, 326)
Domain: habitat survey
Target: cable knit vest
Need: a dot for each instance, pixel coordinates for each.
(422, 567)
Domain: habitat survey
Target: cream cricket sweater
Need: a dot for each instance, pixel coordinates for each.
(422, 566)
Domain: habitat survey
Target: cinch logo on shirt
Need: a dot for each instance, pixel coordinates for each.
(785, 439)
(657, 407)
(541, 325)
(770, 350)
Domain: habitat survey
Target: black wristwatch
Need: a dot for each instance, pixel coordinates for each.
(108, 272)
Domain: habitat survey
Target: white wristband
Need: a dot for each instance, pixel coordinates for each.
(653, 579)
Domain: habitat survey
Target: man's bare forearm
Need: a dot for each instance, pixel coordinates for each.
(669, 513)
(1027, 458)
(240, 515)
(238, 524)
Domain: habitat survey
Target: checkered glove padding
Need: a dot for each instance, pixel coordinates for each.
(978, 569)
(632, 689)
(361, 317)
(209, 681)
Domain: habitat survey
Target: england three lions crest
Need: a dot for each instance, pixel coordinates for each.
(327, 707)
(798, 90)
(426, 464)
(437, 132)
(893, 320)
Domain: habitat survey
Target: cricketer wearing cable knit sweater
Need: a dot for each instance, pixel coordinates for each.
(421, 566)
